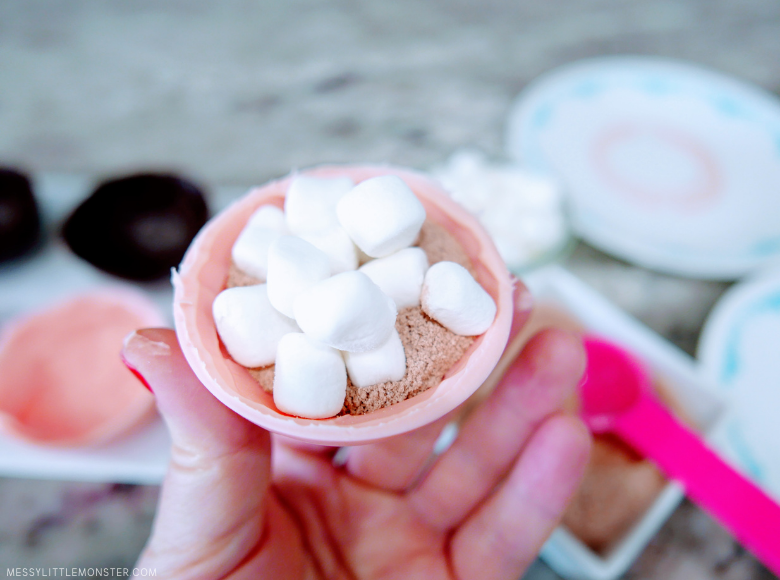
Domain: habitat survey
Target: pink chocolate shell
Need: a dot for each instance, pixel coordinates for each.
(63, 383)
(202, 275)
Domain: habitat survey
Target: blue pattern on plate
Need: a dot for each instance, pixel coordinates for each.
(732, 366)
(587, 89)
(656, 86)
(731, 362)
(729, 106)
(766, 247)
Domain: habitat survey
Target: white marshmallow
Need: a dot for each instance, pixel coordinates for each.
(250, 251)
(293, 265)
(310, 379)
(386, 363)
(269, 217)
(347, 311)
(250, 328)
(399, 275)
(310, 204)
(452, 297)
(338, 246)
(381, 215)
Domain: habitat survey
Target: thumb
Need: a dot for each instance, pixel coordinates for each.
(212, 502)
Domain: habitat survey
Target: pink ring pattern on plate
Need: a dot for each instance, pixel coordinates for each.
(692, 197)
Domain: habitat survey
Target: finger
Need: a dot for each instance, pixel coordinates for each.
(395, 463)
(502, 538)
(535, 387)
(212, 500)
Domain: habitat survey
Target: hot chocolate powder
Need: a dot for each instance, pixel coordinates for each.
(237, 277)
(430, 350)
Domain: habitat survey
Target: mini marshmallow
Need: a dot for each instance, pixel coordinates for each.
(338, 246)
(399, 275)
(310, 204)
(250, 250)
(310, 379)
(453, 298)
(381, 215)
(269, 217)
(386, 363)
(347, 311)
(293, 265)
(250, 328)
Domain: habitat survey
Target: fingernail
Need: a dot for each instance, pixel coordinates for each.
(138, 375)
(523, 303)
(138, 348)
(524, 300)
(340, 457)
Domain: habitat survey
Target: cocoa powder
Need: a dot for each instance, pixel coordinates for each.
(237, 277)
(440, 246)
(430, 350)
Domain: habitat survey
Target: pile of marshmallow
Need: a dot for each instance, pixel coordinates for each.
(522, 211)
(318, 316)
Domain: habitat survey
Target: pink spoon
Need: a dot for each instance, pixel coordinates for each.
(617, 397)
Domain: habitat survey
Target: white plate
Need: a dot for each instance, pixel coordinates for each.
(667, 165)
(739, 350)
(140, 456)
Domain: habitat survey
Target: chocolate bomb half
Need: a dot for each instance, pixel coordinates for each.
(137, 227)
(20, 222)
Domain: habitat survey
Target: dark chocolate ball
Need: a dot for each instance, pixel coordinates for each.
(137, 227)
(20, 222)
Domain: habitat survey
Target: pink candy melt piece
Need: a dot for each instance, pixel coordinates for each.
(63, 381)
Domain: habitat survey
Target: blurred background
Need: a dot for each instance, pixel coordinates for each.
(233, 93)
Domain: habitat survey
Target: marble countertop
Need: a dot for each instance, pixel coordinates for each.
(237, 93)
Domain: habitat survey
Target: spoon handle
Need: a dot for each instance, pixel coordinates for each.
(736, 502)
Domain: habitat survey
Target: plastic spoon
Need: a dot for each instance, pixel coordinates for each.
(617, 397)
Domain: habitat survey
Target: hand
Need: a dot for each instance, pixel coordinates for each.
(239, 503)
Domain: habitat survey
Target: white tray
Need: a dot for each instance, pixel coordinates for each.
(52, 274)
(566, 554)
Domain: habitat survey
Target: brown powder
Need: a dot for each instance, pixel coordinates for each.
(619, 486)
(237, 277)
(264, 377)
(430, 351)
(440, 246)
(430, 348)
